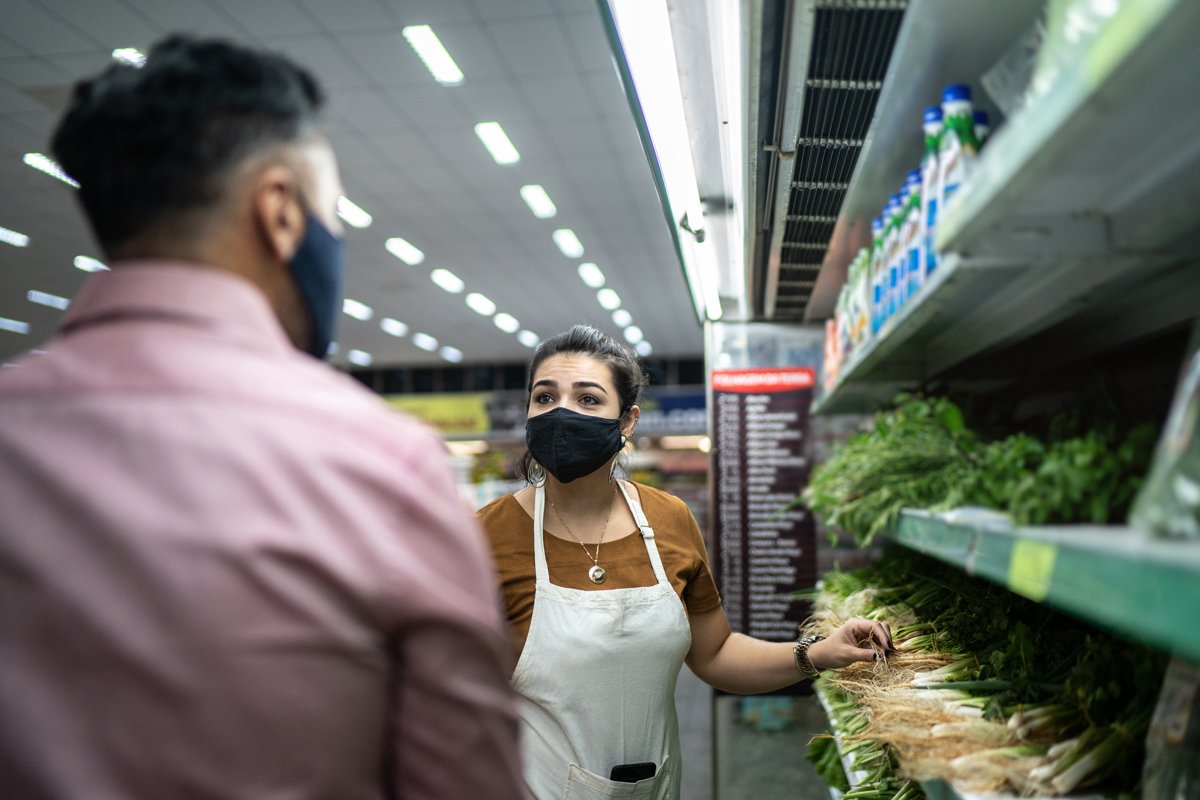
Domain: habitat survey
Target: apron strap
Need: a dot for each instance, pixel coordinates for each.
(539, 544)
(643, 524)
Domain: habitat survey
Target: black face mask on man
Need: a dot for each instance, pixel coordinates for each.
(317, 269)
(569, 444)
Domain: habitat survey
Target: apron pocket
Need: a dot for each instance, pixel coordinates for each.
(584, 785)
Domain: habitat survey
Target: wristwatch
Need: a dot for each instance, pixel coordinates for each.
(800, 653)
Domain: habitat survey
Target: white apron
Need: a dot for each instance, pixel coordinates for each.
(596, 681)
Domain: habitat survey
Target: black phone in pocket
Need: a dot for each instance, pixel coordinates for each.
(632, 773)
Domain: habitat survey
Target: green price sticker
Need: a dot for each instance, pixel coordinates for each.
(1030, 568)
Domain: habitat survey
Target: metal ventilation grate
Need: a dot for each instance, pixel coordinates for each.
(851, 47)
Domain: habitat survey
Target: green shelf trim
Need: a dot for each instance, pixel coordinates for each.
(1114, 577)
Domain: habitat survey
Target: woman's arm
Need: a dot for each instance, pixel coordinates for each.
(734, 662)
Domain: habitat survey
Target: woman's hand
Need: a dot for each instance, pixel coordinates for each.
(857, 640)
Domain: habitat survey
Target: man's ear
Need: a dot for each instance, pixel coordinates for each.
(278, 211)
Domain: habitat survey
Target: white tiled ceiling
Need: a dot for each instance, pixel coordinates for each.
(408, 154)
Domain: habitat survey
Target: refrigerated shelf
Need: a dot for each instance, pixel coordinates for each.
(1077, 231)
(1114, 577)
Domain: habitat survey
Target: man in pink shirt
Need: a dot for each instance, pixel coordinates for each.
(226, 570)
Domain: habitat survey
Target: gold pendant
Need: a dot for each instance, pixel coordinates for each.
(597, 574)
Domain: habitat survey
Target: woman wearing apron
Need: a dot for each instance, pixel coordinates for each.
(608, 591)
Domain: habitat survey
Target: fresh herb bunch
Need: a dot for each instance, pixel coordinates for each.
(823, 754)
(921, 455)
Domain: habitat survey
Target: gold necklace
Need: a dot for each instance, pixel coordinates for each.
(597, 573)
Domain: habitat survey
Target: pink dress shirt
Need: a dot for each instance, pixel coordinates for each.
(228, 571)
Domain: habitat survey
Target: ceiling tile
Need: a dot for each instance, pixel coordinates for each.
(110, 23)
(195, 17)
(402, 145)
(321, 55)
(351, 15)
(590, 43)
(474, 52)
(431, 107)
(10, 49)
(533, 46)
(367, 108)
(432, 12)
(27, 22)
(270, 17)
(386, 58)
(558, 97)
(31, 71)
(489, 9)
(492, 99)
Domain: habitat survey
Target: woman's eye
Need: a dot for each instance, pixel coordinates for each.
(588, 400)
(544, 398)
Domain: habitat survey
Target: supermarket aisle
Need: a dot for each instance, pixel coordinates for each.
(693, 699)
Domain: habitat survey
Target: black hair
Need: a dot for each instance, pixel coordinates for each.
(629, 376)
(148, 143)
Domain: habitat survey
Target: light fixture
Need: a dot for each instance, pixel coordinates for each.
(353, 308)
(46, 164)
(352, 214)
(506, 322)
(359, 358)
(643, 348)
(447, 280)
(538, 201)
(404, 250)
(13, 325)
(424, 341)
(568, 242)
(480, 304)
(591, 275)
(497, 143)
(528, 338)
(451, 354)
(633, 334)
(14, 238)
(608, 299)
(473, 447)
(433, 53)
(621, 318)
(393, 327)
(130, 55)
(47, 299)
(89, 264)
(644, 29)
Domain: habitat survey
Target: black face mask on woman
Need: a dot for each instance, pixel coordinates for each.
(569, 444)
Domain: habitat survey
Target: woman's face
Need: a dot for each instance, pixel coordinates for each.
(577, 382)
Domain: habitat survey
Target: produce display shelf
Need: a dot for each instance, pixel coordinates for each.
(853, 775)
(1114, 577)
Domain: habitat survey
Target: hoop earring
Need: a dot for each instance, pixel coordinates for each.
(537, 474)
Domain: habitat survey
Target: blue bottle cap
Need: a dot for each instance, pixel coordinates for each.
(956, 91)
(877, 224)
(980, 117)
(914, 176)
(933, 114)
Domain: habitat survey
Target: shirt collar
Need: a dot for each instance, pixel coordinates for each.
(190, 293)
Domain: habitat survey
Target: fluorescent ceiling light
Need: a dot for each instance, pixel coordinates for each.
(89, 264)
(506, 322)
(621, 318)
(46, 164)
(359, 358)
(404, 250)
(451, 354)
(568, 242)
(643, 348)
(393, 327)
(353, 308)
(424, 341)
(591, 275)
(528, 338)
(47, 299)
(609, 299)
(447, 280)
(352, 214)
(538, 201)
(12, 237)
(645, 32)
(129, 55)
(433, 53)
(13, 326)
(633, 334)
(497, 142)
(480, 304)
